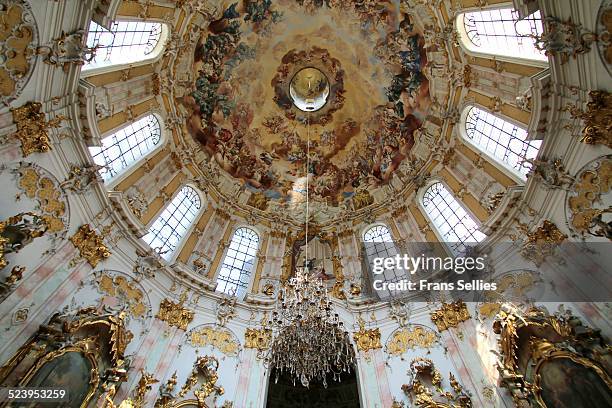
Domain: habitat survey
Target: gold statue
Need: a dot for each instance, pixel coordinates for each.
(18, 231)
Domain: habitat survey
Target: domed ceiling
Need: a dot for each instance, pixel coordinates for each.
(363, 60)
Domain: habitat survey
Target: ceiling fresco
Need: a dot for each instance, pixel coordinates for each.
(367, 56)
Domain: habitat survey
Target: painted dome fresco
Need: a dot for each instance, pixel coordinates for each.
(366, 63)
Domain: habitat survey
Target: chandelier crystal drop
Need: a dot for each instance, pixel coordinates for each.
(310, 341)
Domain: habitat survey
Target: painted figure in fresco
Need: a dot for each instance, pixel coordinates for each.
(566, 384)
(266, 149)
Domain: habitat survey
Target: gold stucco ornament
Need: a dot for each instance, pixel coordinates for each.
(90, 245)
(450, 315)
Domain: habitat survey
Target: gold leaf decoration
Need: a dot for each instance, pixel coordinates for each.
(258, 339)
(406, 339)
(450, 315)
(18, 37)
(44, 190)
(591, 185)
(542, 242)
(217, 337)
(120, 287)
(367, 339)
(175, 314)
(489, 309)
(33, 128)
(90, 245)
(597, 118)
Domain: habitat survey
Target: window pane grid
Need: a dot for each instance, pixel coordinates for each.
(501, 32)
(125, 43)
(170, 227)
(238, 262)
(503, 140)
(126, 146)
(378, 243)
(451, 220)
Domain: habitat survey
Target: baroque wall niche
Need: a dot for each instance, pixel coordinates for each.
(552, 360)
(115, 292)
(81, 352)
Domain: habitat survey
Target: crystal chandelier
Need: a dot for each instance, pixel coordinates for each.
(309, 339)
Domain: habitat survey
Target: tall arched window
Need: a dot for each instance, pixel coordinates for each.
(127, 42)
(172, 225)
(378, 243)
(238, 262)
(503, 140)
(126, 146)
(451, 220)
(501, 32)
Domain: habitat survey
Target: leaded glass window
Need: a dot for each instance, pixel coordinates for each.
(238, 263)
(501, 32)
(378, 243)
(174, 222)
(126, 146)
(127, 42)
(503, 140)
(451, 220)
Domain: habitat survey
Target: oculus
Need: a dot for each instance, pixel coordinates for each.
(309, 90)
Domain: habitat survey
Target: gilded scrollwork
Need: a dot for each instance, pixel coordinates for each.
(450, 315)
(175, 314)
(585, 200)
(99, 339)
(259, 339)
(138, 400)
(409, 338)
(39, 185)
(204, 371)
(90, 245)
(81, 177)
(120, 287)
(542, 243)
(166, 392)
(597, 118)
(533, 339)
(226, 309)
(511, 287)
(423, 372)
(367, 339)
(33, 128)
(18, 39)
(217, 337)
(18, 231)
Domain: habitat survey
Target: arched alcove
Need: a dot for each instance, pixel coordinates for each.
(338, 394)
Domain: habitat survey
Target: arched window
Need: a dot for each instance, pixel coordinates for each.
(126, 43)
(126, 146)
(378, 243)
(451, 220)
(238, 262)
(172, 225)
(503, 140)
(501, 32)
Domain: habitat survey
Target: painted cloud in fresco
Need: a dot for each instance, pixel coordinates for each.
(241, 111)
